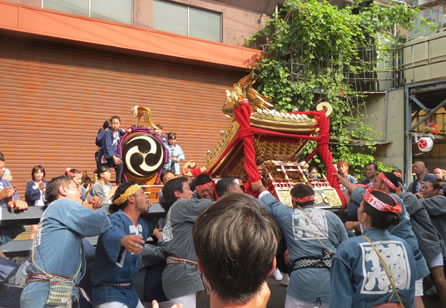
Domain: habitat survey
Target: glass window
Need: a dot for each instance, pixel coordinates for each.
(184, 20)
(113, 10)
(170, 17)
(205, 24)
(78, 7)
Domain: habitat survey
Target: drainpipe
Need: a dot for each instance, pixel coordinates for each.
(407, 141)
(387, 114)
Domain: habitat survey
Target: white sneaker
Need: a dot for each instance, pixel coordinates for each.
(285, 280)
(277, 275)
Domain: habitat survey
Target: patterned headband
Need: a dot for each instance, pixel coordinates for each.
(304, 199)
(128, 192)
(380, 205)
(204, 186)
(387, 181)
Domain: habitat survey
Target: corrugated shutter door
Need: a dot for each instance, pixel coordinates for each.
(55, 97)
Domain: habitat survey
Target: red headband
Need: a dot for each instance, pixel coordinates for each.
(387, 181)
(380, 205)
(204, 186)
(400, 175)
(304, 199)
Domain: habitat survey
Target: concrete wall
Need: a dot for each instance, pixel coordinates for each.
(385, 114)
(374, 116)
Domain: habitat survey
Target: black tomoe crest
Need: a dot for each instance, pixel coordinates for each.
(143, 155)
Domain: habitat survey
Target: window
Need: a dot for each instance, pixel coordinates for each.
(185, 20)
(114, 10)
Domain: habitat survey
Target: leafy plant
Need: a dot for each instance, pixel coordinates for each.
(312, 47)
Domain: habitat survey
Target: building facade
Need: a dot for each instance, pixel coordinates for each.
(414, 103)
(66, 66)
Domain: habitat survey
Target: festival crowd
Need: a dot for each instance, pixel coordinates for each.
(386, 249)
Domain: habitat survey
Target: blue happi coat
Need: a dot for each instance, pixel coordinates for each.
(304, 240)
(358, 279)
(402, 230)
(57, 246)
(174, 151)
(114, 264)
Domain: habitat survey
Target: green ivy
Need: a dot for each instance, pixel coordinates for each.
(325, 40)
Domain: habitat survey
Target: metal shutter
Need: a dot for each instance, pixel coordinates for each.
(54, 97)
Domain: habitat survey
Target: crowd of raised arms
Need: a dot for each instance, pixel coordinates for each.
(385, 249)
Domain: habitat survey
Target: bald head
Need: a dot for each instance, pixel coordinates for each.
(419, 168)
(438, 172)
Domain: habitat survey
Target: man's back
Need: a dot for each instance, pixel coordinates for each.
(436, 207)
(182, 279)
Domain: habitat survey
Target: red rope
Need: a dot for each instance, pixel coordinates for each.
(325, 154)
(309, 157)
(246, 134)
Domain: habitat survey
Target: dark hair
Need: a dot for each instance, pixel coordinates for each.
(164, 174)
(115, 117)
(119, 191)
(224, 185)
(435, 183)
(159, 126)
(2, 156)
(37, 168)
(86, 179)
(101, 169)
(171, 135)
(107, 124)
(236, 242)
(75, 171)
(379, 219)
(52, 189)
(313, 168)
(301, 191)
(169, 190)
(372, 164)
(392, 178)
(400, 179)
(202, 178)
